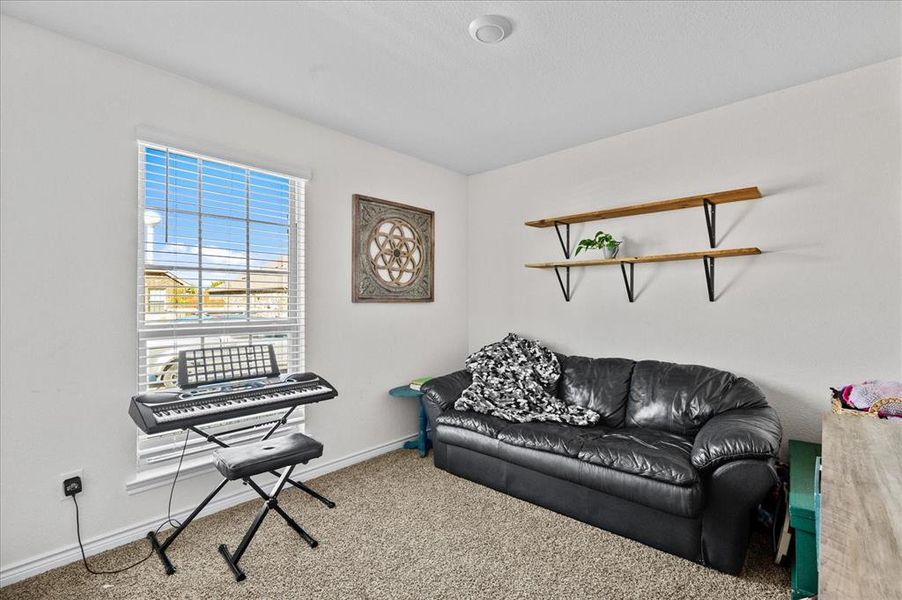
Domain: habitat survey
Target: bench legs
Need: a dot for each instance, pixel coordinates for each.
(313, 493)
(291, 522)
(271, 502)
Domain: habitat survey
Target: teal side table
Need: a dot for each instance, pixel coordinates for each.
(422, 442)
(802, 473)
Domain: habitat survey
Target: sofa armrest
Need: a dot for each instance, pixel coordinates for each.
(733, 492)
(741, 433)
(440, 393)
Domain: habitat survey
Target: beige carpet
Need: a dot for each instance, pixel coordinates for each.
(404, 529)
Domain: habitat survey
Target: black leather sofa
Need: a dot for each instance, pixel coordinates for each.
(679, 460)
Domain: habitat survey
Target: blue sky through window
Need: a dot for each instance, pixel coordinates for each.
(243, 214)
(208, 222)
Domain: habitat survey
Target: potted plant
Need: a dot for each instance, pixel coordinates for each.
(603, 241)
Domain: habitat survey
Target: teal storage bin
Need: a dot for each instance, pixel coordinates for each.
(803, 461)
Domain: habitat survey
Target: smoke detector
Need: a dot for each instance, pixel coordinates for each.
(490, 29)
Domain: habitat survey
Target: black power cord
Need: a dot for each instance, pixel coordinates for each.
(84, 559)
(178, 469)
(169, 520)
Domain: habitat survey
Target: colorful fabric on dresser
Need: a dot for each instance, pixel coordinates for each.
(863, 395)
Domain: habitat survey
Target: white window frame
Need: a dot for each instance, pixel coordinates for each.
(158, 455)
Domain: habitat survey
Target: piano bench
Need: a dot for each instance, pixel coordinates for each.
(244, 462)
(248, 460)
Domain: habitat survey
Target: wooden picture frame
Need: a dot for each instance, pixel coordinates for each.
(392, 251)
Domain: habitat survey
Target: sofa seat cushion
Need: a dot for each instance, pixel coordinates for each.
(473, 421)
(556, 438)
(471, 440)
(650, 453)
(682, 500)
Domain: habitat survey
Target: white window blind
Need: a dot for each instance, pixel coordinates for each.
(220, 263)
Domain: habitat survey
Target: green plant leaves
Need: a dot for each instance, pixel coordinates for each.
(600, 240)
(585, 244)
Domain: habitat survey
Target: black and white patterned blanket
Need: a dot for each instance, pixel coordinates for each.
(510, 379)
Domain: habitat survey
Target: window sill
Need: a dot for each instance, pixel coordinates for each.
(163, 476)
(199, 459)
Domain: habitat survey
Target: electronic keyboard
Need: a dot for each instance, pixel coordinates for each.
(184, 407)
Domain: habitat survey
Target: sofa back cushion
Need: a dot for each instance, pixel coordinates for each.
(676, 398)
(600, 384)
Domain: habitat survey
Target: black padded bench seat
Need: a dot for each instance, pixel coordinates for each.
(261, 457)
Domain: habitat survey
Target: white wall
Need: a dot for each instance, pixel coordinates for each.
(821, 307)
(69, 214)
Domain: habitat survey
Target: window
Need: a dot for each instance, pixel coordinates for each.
(220, 264)
(156, 300)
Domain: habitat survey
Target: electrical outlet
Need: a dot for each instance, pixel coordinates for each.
(72, 486)
(67, 477)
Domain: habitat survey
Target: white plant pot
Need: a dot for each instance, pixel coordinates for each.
(611, 251)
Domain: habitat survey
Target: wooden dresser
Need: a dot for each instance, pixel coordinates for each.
(861, 509)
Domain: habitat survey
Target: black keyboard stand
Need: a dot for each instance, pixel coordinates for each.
(160, 548)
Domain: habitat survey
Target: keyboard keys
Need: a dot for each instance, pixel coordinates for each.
(195, 407)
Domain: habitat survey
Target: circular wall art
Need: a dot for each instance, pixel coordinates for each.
(396, 252)
(393, 252)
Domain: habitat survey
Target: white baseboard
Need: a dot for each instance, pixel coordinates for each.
(57, 558)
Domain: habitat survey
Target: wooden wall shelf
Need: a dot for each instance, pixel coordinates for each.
(707, 257)
(646, 259)
(749, 193)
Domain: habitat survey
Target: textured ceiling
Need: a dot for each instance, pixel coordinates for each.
(406, 75)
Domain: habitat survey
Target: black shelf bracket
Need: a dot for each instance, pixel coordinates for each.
(710, 216)
(564, 289)
(708, 261)
(628, 282)
(564, 245)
